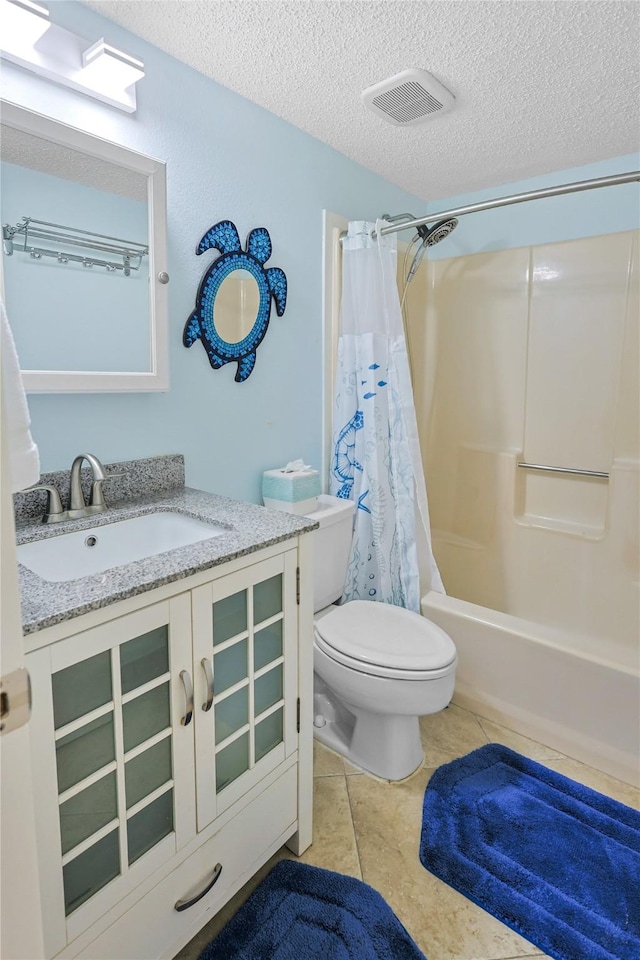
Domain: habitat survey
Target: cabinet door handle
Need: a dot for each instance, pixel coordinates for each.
(188, 697)
(181, 905)
(208, 675)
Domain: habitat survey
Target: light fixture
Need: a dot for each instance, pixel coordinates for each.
(106, 66)
(100, 70)
(26, 20)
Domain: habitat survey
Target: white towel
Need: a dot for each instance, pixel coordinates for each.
(24, 459)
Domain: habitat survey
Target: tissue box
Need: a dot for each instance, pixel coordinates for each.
(294, 491)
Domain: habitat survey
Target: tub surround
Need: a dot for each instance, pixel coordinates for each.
(151, 485)
(531, 355)
(536, 352)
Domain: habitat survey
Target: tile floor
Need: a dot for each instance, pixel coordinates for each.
(370, 829)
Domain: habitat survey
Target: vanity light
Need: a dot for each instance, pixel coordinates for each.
(26, 20)
(29, 40)
(107, 67)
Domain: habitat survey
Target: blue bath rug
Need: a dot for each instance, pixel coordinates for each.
(550, 858)
(304, 913)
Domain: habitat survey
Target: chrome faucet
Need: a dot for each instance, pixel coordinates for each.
(77, 506)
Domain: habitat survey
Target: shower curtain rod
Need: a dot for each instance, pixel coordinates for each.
(516, 198)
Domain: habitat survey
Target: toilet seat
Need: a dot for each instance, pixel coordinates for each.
(385, 641)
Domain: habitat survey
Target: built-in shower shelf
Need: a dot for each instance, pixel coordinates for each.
(568, 501)
(584, 531)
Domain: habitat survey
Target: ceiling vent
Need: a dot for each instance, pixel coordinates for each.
(410, 97)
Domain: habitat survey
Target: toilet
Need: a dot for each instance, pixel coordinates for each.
(377, 667)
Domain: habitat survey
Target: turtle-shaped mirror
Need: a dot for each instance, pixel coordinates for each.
(233, 303)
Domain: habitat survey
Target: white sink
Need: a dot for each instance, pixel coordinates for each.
(71, 556)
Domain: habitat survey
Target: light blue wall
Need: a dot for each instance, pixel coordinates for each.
(226, 158)
(49, 302)
(586, 214)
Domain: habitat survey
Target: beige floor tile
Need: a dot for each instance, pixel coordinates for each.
(350, 770)
(334, 842)
(532, 956)
(370, 829)
(444, 924)
(450, 734)
(597, 780)
(519, 956)
(508, 738)
(326, 763)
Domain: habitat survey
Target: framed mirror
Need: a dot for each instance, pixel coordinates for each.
(83, 258)
(233, 302)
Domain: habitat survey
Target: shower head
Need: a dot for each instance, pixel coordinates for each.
(432, 235)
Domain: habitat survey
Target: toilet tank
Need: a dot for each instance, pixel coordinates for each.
(332, 548)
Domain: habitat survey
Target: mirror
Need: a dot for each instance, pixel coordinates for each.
(233, 302)
(84, 258)
(236, 306)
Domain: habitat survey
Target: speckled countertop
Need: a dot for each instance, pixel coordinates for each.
(250, 528)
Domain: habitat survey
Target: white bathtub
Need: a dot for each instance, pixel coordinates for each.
(518, 673)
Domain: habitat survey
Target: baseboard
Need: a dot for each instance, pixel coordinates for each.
(624, 766)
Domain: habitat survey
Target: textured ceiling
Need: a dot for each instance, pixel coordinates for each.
(539, 86)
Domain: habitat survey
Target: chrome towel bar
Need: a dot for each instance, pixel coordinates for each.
(21, 236)
(581, 473)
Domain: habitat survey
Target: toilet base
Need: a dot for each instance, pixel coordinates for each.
(385, 745)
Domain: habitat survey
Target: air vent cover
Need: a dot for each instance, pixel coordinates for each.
(412, 96)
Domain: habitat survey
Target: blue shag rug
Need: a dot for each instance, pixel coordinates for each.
(550, 858)
(305, 913)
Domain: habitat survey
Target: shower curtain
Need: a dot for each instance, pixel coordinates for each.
(376, 459)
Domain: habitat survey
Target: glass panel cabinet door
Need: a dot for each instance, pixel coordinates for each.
(117, 779)
(245, 662)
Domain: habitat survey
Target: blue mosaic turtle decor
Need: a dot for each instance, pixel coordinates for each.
(272, 282)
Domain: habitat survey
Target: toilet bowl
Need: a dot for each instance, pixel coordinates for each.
(378, 668)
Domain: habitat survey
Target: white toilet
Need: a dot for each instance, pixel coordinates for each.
(377, 667)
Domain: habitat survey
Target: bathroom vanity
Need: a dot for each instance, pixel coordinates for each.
(171, 728)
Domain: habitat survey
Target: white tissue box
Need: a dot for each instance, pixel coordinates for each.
(294, 491)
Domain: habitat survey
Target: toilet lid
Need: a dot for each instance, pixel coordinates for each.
(386, 636)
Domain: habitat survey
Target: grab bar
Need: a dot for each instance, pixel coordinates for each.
(581, 473)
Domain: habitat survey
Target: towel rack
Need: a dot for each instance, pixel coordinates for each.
(581, 473)
(19, 238)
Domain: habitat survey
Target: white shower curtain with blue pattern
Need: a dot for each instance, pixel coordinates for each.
(376, 453)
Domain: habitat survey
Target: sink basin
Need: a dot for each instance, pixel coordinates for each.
(71, 556)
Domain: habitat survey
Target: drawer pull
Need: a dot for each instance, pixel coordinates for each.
(185, 904)
(188, 697)
(208, 674)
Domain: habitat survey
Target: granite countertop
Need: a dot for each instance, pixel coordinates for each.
(250, 528)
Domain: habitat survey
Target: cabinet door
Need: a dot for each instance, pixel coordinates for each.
(113, 755)
(245, 662)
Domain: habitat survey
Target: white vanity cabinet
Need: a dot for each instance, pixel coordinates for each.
(167, 754)
(245, 644)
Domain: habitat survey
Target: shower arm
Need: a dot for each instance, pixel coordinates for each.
(507, 201)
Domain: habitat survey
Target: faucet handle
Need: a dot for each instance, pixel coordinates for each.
(97, 495)
(54, 511)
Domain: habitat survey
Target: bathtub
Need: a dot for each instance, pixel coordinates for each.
(520, 674)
